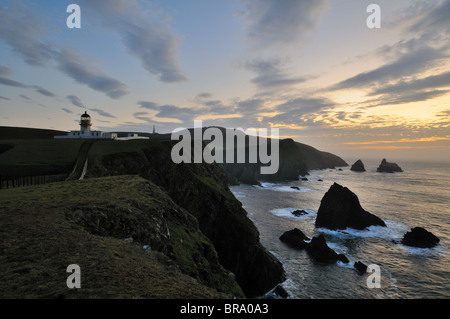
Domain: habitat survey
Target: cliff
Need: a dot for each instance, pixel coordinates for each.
(295, 160)
(202, 190)
(198, 235)
(128, 237)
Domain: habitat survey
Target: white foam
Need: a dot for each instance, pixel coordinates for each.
(438, 249)
(283, 188)
(393, 231)
(287, 212)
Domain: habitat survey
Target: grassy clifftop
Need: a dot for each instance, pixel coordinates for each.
(202, 243)
(45, 228)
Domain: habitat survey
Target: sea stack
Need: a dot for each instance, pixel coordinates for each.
(358, 166)
(420, 237)
(295, 238)
(320, 251)
(340, 209)
(386, 167)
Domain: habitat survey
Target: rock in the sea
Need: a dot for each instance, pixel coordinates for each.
(340, 208)
(299, 212)
(358, 166)
(420, 237)
(360, 266)
(387, 167)
(320, 251)
(295, 238)
(281, 292)
(295, 187)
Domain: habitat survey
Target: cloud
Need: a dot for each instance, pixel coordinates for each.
(22, 30)
(406, 97)
(5, 70)
(270, 73)
(152, 43)
(37, 88)
(148, 105)
(4, 98)
(102, 113)
(433, 22)
(75, 100)
(281, 22)
(208, 107)
(203, 95)
(176, 112)
(140, 116)
(25, 32)
(407, 64)
(430, 82)
(66, 110)
(297, 110)
(8, 82)
(85, 73)
(43, 91)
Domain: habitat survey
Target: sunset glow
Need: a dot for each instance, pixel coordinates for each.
(320, 75)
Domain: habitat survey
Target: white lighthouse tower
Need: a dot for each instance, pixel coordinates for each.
(85, 124)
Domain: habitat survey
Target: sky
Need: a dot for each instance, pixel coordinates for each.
(313, 69)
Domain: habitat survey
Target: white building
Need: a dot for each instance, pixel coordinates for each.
(85, 131)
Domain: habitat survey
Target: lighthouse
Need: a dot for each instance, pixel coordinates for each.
(85, 124)
(86, 132)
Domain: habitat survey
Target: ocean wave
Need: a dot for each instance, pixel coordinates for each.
(287, 212)
(436, 250)
(238, 194)
(283, 188)
(394, 230)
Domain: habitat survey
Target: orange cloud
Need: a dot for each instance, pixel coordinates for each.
(404, 140)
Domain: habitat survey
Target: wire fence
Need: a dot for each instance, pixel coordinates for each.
(19, 181)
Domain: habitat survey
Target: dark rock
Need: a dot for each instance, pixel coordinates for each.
(320, 180)
(420, 237)
(281, 292)
(343, 258)
(340, 169)
(295, 238)
(340, 208)
(320, 251)
(358, 166)
(360, 266)
(387, 167)
(298, 213)
(295, 187)
(304, 179)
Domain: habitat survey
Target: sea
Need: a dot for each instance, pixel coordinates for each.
(419, 196)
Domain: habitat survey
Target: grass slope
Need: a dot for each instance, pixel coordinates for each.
(45, 228)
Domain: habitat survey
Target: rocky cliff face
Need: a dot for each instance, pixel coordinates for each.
(202, 190)
(296, 159)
